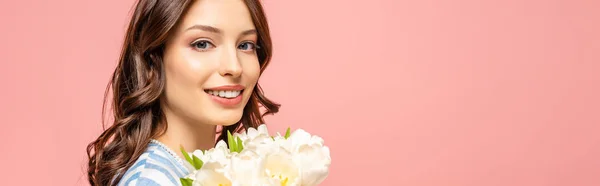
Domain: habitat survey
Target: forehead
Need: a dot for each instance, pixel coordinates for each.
(227, 15)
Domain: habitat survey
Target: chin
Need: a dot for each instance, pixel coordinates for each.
(216, 114)
(229, 124)
(226, 119)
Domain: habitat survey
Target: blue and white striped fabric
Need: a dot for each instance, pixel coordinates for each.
(157, 166)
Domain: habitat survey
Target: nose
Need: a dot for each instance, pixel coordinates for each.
(230, 64)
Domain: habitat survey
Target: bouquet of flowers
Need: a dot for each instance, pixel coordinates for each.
(254, 158)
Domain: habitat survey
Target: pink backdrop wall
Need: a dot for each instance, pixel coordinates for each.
(420, 93)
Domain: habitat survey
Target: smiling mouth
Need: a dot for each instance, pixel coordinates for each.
(228, 94)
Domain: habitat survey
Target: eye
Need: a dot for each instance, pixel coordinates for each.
(202, 44)
(248, 46)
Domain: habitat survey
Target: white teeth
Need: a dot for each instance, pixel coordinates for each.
(225, 93)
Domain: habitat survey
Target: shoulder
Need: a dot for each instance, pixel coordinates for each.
(149, 177)
(155, 167)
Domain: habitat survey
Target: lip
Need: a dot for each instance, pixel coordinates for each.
(226, 102)
(228, 87)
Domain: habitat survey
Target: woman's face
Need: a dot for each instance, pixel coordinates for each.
(211, 65)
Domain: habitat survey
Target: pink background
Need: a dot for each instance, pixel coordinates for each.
(419, 93)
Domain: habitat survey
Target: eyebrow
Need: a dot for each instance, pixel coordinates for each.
(218, 31)
(205, 28)
(249, 32)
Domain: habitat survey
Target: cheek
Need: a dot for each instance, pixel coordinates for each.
(251, 69)
(185, 72)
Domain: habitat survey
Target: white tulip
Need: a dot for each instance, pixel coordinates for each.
(317, 140)
(199, 154)
(259, 140)
(221, 145)
(211, 173)
(262, 129)
(251, 133)
(301, 159)
(313, 162)
(280, 166)
(242, 135)
(219, 154)
(262, 144)
(309, 154)
(247, 168)
(258, 133)
(282, 142)
(299, 137)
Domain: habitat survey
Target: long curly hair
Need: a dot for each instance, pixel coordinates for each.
(138, 83)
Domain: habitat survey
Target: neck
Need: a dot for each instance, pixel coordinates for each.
(187, 133)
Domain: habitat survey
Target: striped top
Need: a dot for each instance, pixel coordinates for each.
(157, 166)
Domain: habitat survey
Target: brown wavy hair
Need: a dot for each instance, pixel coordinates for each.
(138, 82)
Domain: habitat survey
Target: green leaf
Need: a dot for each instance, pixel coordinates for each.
(186, 155)
(231, 141)
(197, 162)
(186, 181)
(287, 133)
(240, 146)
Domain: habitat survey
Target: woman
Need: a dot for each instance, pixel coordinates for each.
(186, 67)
